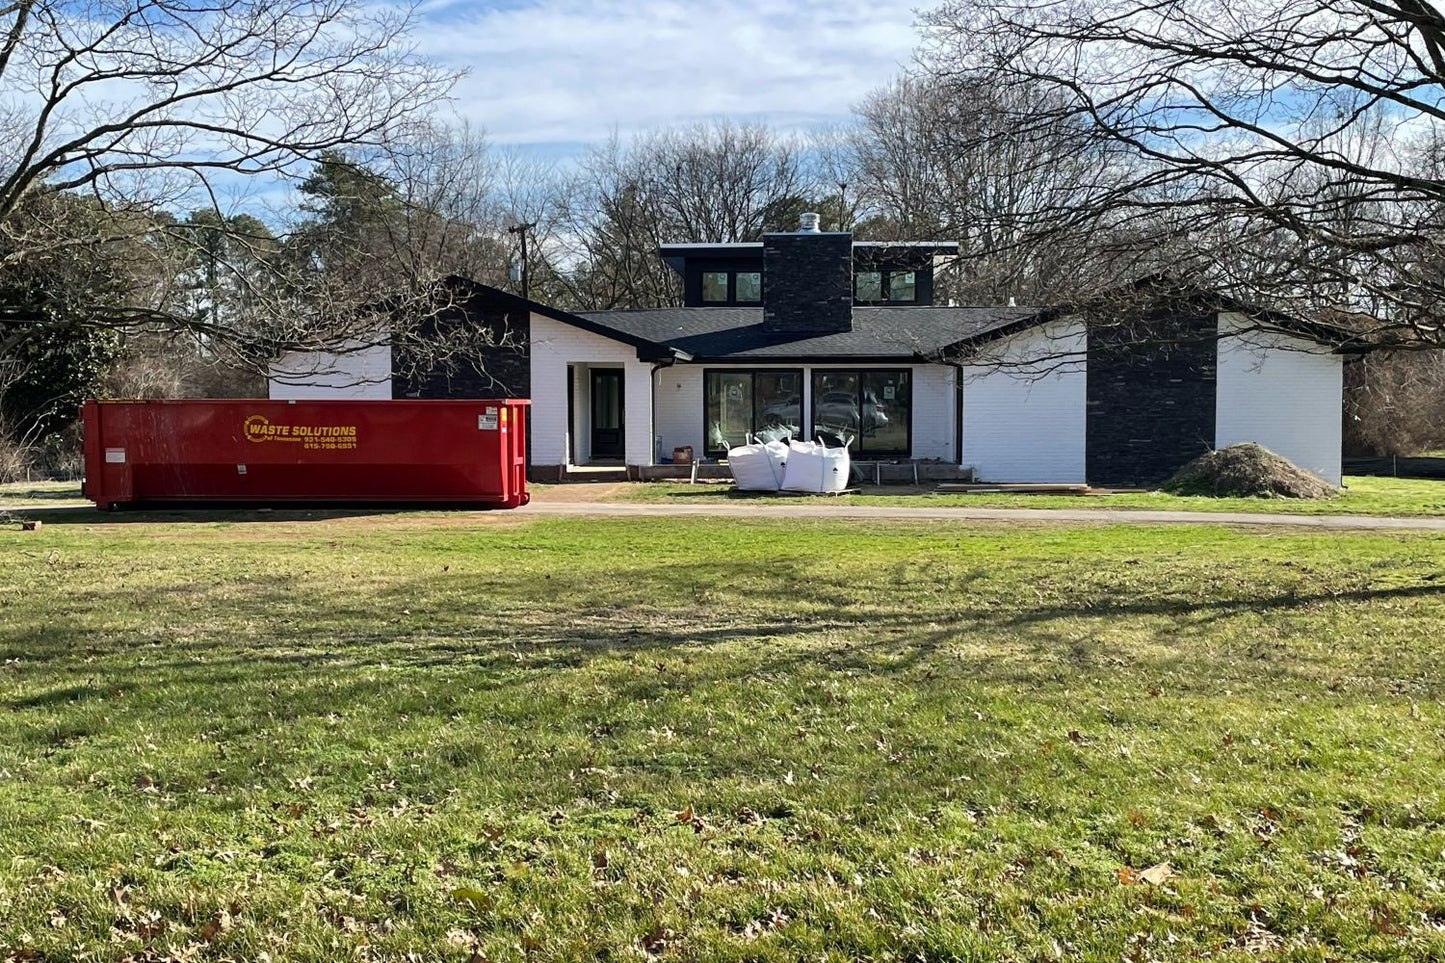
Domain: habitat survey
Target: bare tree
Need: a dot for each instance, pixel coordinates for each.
(1281, 152)
(146, 106)
(615, 223)
(942, 158)
(1395, 403)
(719, 183)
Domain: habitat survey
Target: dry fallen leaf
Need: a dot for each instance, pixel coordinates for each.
(1157, 874)
(215, 926)
(656, 941)
(686, 815)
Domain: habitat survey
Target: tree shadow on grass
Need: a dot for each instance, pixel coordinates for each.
(502, 634)
(239, 512)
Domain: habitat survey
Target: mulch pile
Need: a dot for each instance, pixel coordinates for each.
(1247, 471)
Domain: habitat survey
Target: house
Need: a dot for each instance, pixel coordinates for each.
(808, 332)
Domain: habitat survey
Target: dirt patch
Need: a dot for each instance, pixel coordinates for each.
(579, 491)
(1247, 471)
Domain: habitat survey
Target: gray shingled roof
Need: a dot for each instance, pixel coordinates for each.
(878, 332)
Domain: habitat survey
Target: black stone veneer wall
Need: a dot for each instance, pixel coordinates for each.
(1151, 395)
(808, 282)
(493, 364)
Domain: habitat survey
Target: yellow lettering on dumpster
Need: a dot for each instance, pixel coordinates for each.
(259, 429)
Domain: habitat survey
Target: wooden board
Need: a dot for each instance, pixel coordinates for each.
(1015, 489)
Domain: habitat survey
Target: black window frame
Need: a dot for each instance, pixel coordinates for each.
(885, 286)
(882, 287)
(860, 454)
(731, 270)
(733, 287)
(888, 287)
(752, 373)
(727, 297)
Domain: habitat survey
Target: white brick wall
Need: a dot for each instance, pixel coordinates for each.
(1024, 406)
(1282, 392)
(356, 372)
(935, 407)
(679, 409)
(556, 345)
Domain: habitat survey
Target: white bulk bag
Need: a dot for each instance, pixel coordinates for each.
(753, 468)
(804, 471)
(813, 467)
(778, 458)
(836, 469)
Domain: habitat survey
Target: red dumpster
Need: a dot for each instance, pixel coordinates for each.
(305, 451)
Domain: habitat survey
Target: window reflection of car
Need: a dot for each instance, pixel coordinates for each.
(841, 408)
(780, 412)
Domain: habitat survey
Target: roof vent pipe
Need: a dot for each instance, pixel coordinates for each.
(808, 224)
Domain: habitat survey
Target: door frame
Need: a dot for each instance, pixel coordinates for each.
(621, 450)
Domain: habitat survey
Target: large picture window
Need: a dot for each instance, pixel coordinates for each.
(872, 407)
(739, 403)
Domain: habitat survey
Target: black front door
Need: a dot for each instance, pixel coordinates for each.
(606, 413)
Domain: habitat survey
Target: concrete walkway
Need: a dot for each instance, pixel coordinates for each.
(811, 508)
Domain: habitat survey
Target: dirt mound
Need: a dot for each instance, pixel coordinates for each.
(1246, 471)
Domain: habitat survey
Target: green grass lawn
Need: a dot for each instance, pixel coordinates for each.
(1362, 496)
(40, 494)
(483, 738)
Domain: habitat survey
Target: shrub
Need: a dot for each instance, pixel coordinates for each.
(15, 460)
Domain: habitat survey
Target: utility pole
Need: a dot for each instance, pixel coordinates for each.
(522, 229)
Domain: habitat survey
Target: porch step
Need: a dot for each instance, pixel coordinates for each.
(710, 470)
(584, 474)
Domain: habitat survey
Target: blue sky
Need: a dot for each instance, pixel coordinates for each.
(555, 75)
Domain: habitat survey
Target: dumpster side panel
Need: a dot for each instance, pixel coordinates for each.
(317, 451)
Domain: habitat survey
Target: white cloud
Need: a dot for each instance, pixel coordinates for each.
(568, 71)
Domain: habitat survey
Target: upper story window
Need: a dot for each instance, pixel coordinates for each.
(749, 287)
(902, 286)
(715, 286)
(883, 287)
(731, 287)
(868, 286)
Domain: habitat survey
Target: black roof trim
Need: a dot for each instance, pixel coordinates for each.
(742, 249)
(1166, 289)
(786, 360)
(646, 350)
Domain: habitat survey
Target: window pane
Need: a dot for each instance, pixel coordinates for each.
(779, 399)
(714, 286)
(750, 286)
(835, 404)
(870, 286)
(729, 403)
(887, 406)
(902, 286)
